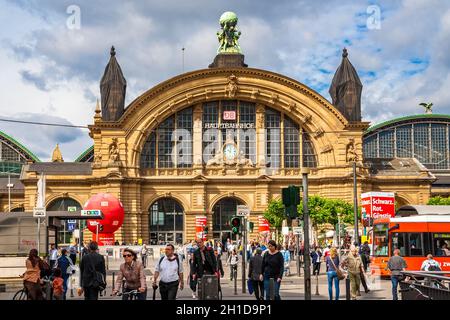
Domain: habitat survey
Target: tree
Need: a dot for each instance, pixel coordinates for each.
(275, 214)
(323, 210)
(439, 201)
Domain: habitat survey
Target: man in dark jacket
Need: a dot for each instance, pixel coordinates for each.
(92, 266)
(204, 260)
(254, 271)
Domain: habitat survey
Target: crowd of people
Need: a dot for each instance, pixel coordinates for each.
(265, 262)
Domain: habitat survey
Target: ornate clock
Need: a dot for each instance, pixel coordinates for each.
(230, 152)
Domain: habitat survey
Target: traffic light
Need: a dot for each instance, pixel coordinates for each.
(235, 225)
(291, 200)
(100, 227)
(251, 226)
(205, 230)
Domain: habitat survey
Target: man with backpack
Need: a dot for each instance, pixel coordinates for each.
(170, 269)
(92, 273)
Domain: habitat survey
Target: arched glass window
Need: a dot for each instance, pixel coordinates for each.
(170, 145)
(223, 211)
(166, 222)
(65, 232)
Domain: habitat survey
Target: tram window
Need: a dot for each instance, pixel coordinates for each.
(441, 244)
(416, 244)
(398, 242)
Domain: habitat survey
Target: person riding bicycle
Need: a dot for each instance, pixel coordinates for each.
(32, 276)
(132, 273)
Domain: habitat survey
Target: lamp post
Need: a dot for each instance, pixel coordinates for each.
(355, 204)
(9, 186)
(306, 256)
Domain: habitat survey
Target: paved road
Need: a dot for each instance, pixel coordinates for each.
(292, 287)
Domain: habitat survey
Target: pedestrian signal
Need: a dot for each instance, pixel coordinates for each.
(235, 225)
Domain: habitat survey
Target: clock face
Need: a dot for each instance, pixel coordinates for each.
(230, 151)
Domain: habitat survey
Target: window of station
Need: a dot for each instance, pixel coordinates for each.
(166, 222)
(291, 144)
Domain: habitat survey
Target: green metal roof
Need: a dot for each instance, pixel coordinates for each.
(407, 118)
(81, 156)
(21, 146)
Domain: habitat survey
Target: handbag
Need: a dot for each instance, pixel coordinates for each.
(339, 272)
(250, 286)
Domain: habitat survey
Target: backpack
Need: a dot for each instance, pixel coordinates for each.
(176, 257)
(434, 267)
(98, 279)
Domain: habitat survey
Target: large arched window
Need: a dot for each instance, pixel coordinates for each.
(166, 222)
(65, 232)
(223, 211)
(170, 145)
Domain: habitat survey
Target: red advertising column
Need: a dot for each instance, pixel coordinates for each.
(200, 224)
(376, 205)
(264, 228)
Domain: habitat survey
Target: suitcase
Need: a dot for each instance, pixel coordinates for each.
(208, 288)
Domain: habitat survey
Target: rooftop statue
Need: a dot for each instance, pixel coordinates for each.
(229, 35)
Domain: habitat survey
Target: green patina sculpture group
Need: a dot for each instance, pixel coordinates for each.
(229, 35)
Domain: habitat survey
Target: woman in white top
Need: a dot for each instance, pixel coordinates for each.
(233, 261)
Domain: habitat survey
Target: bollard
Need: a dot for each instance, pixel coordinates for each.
(317, 285)
(272, 289)
(347, 288)
(235, 283)
(113, 280)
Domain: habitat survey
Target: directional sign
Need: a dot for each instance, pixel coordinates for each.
(95, 213)
(70, 227)
(297, 230)
(39, 212)
(72, 221)
(242, 211)
(72, 209)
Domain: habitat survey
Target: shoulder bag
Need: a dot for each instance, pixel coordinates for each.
(339, 272)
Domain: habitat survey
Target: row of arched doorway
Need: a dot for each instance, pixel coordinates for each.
(166, 219)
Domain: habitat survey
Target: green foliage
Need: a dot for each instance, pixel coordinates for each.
(275, 213)
(439, 201)
(323, 210)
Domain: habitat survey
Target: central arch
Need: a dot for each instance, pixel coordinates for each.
(166, 219)
(305, 106)
(222, 212)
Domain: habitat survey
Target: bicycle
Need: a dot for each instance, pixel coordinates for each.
(419, 296)
(133, 295)
(47, 290)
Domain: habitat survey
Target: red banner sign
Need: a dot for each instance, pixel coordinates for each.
(200, 224)
(263, 224)
(378, 204)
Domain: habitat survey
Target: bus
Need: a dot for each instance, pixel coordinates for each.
(416, 230)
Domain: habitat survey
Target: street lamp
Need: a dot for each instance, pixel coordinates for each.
(9, 186)
(355, 204)
(306, 256)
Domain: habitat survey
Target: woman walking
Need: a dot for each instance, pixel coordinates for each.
(272, 268)
(332, 263)
(233, 261)
(32, 276)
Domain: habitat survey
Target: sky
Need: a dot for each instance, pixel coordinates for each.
(53, 54)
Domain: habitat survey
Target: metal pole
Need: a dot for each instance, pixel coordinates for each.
(339, 237)
(232, 271)
(39, 236)
(9, 193)
(244, 253)
(355, 204)
(298, 255)
(306, 257)
(317, 285)
(97, 233)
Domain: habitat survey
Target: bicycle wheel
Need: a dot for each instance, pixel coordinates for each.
(21, 295)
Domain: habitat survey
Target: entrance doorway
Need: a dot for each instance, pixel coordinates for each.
(166, 222)
(223, 211)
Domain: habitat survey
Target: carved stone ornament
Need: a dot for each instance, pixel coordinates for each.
(98, 159)
(232, 87)
(352, 156)
(114, 159)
